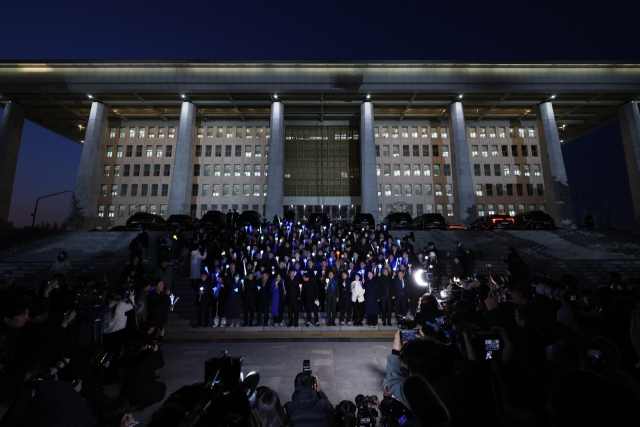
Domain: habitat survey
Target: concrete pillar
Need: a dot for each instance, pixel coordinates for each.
(630, 127)
(89, 173)
(180, 193)
(464, 207)
(275, 179)
(369, 181)
(557, 194)
(10, 135)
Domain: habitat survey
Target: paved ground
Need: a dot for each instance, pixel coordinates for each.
(346, 367)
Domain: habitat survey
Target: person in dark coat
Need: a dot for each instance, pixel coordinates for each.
(158, 303)
(387, 296)
(401, 295)
(293, 286)
(263, 303)
(331, 296)
(457, 269)
(138, 384)
(234, 302)
(249, 299)
(143, 238)
(371, 299)
(344, 298)
(235, 218)
(434, 267)
(517, 268)
(277, 290)
(203, 290)
(310, 295)
(309, 406)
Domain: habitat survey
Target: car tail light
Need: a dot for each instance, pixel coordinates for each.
(494, 220)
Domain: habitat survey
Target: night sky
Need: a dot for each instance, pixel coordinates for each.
(368, 30)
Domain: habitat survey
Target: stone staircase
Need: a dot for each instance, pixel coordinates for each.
(586, 254)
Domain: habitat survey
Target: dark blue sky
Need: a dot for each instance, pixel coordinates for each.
(395, 30)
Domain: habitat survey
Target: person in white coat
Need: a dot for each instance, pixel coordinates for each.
(197, 256)
(61, 264)
(357, 297)
(114, 332)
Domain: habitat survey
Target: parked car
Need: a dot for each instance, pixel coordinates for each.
(362, 219)
(398, 221)
(492, 222)
(250, 218)
(318, 219)
(430, 221)
(213, 220)
(185, 222)
(144, 219)
(533, 220)
(118, 228)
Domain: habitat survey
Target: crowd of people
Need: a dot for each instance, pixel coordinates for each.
(512, 349)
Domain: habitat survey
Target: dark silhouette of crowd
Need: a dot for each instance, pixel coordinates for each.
(506, 349)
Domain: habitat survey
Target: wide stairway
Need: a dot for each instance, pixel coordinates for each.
(585, 254)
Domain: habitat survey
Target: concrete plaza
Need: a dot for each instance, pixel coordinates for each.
(345, 367)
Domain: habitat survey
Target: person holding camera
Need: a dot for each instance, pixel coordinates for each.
(139, 386)
(114, 332)
(309, 406)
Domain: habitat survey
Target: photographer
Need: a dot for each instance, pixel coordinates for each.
(114, 331)
(309, 406)
(140, 363)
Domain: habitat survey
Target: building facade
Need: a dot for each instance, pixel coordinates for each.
(231, 164)
(462, 139)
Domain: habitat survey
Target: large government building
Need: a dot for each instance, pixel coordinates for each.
(180, 137)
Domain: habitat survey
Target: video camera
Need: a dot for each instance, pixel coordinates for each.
(394, 413)
(367, 414)
(51, 372)
(306, 367)
(226, 399)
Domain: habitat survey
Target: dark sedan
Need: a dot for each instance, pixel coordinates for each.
(492, 222)
(141, 220)
(533, 220)
(430, 221)
(398, 221)
(213, 220)
(185, 222)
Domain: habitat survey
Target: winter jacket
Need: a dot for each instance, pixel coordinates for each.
(60, 267)
(357, 292)
(309, 408)
(166, 275)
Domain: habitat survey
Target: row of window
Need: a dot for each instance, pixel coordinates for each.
(238, 170)
(126, 170)
(435, 150)
(260, 132)
(249, 151)
(122, 209)
(506, 170)
(421, 209)
(425, 170)
(124, 190)
(132, 209)
(247, 190)
(140, 149)
(435, 132)
(150, 132)
(491, 208)
(416, 189)
(509, 189)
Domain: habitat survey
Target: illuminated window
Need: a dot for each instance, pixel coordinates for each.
(426, 170)
(101, 211)
(536, 170)
(407, 190)
(532, 132)
(141, 132)
(443, 132)
(398, 190)
(114, 190)
(507, 170)
(200, 132)
(425, 132)
(257, 169)
(394, 131)
(445, 151)
(387, 189)
(474, 151)
(407, 170)
(438, 189)
(396, 170)
(416, 170)
(405, 131)
(396, 151)
(387, 170)
(229, 131)
(414, 131)
(385, 131)
(483, 132)
(494, 150)
(449, 210)
(472, 132)
(485, 151)
(516, 170)
(492, 131)
(436, 170)
(448, 188)
(481, 210)
(106, 170)
(109, 151)
(377, 170)
(502, 132)
(491, 209)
